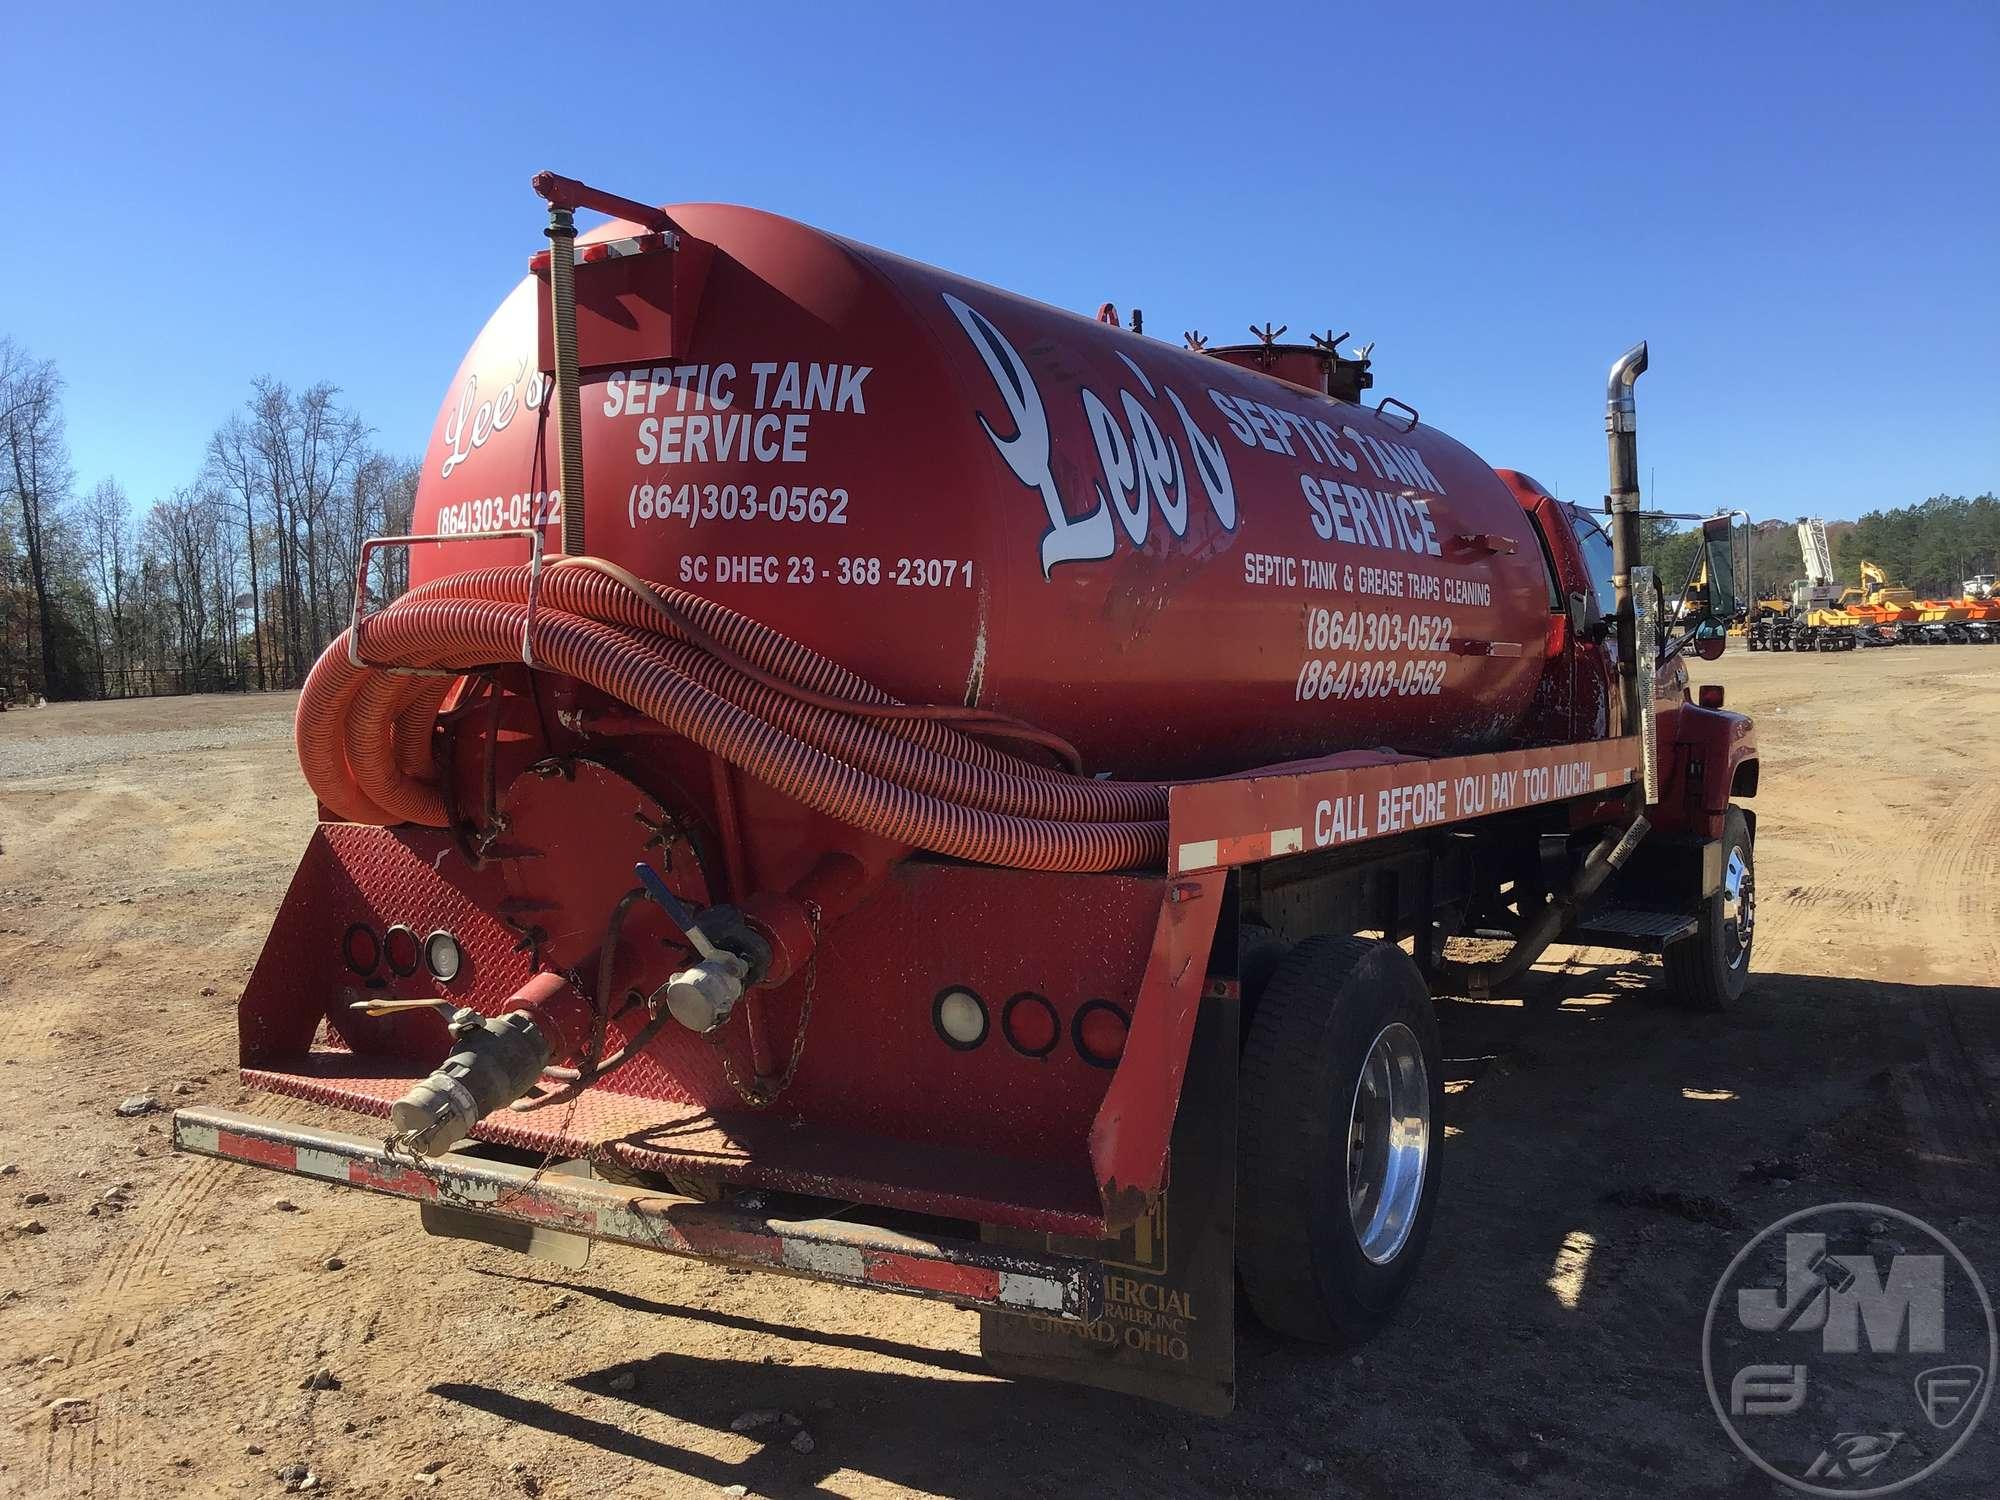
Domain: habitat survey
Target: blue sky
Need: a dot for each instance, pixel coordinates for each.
(1797, 205)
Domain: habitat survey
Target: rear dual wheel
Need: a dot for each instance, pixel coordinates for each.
(1341, 1110)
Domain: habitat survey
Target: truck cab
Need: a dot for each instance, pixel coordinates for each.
(1707, 753)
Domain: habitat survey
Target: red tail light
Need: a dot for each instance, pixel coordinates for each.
(361, 948)
(401, 950)
(1710, 695)
(1031, 1025)
(1099, 1033)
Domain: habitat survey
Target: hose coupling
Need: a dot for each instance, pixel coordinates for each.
(733, 956)
(494, 1061)
(702, 995)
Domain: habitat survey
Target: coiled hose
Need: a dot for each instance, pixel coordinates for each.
(923, 775)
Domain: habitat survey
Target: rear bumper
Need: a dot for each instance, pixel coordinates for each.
(989, 1277)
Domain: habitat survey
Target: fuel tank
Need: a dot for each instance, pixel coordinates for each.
(1182, 566)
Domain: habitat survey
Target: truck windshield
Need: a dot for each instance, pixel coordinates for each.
(1596, 544)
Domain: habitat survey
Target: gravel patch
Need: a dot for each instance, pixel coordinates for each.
(78, 748)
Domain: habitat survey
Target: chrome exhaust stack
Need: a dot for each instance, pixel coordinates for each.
(1621, 428)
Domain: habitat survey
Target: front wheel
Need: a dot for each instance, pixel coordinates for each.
(1342, 1104)
(1709, 970)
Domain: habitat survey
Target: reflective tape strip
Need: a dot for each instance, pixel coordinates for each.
(1201, 855)
(840, 1262)
(197, 1135)
(854, 1253)
(279, 1154)
(973, 1283)
(1241, 849)
(322, 1164)
(1029, 1293)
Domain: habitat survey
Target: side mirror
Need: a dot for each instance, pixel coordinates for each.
(1709, 647)
(1720, 554)
(1585, 618)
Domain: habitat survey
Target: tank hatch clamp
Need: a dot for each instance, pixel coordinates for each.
(1344, 376)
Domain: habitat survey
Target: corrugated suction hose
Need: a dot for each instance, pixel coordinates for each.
(922, 775)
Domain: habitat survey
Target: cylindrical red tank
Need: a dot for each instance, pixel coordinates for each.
(1181, 566)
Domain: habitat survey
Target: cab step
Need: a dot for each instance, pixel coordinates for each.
(1633, 929)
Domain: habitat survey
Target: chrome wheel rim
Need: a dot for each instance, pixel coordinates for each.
(1739, 909)
(1388, 1143)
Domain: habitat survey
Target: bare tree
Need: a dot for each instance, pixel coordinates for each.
(234, 460)
(225, 571)
(399, 508)
(36, 476)
(184, 530)
(289, 490)
(378, 499)
(309, 447)
(106, 522)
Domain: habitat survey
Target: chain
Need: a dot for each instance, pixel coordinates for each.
(402, 1144)
(402, 1147)
(759, 1093)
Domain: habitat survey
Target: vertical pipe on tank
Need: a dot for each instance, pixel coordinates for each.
(1621, 427)
(569, 414)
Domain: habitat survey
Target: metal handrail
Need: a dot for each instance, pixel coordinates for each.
(532, 536)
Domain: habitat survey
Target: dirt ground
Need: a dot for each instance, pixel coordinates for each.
(1606, 1157)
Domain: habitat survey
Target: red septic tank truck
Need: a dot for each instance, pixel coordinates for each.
(878, 779)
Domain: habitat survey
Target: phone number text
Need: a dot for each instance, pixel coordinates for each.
(694, 504)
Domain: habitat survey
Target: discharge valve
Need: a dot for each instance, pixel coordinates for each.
(733, 957)
(494, 1060)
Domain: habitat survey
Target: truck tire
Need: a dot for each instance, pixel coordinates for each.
(1341, 1116)
(1259, 951)
(1708, 971)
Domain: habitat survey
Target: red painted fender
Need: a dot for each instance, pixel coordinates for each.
(1709, 758)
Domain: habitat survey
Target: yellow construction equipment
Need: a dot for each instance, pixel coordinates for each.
(1981, 597)
(1918, 621)
(1811, 620)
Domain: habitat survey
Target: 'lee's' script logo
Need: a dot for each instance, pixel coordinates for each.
(1140, 467)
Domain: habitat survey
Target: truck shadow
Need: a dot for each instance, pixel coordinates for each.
(975, 1438)
(1605, 1156)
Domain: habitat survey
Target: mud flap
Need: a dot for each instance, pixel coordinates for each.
(1169, 1328)
(542, 1241)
